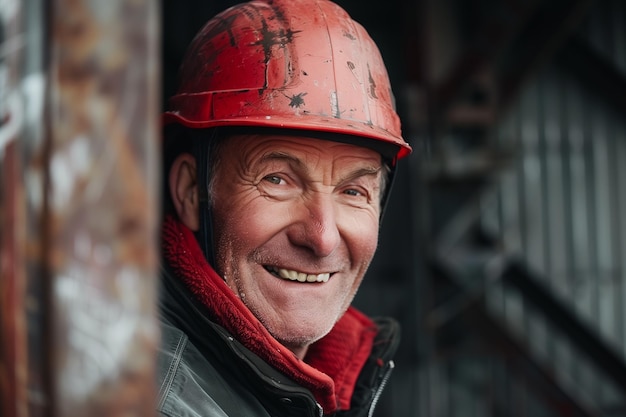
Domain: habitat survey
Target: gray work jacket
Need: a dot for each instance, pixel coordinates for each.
(216, 376)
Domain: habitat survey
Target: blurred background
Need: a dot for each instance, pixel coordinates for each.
(503, 249)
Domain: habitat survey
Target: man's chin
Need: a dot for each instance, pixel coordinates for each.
(299, 345)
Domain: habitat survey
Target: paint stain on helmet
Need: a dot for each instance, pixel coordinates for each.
(269, 39)
(297, 100)
(372, 89)
(280, 37)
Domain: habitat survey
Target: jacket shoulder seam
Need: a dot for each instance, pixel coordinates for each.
(172, 370)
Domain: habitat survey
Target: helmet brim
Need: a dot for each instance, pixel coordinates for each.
(309, 123)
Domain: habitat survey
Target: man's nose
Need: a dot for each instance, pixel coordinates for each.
(316, 227)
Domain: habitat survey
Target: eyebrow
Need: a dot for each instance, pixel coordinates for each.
(276, 155)
(357, 173)
(362, 172)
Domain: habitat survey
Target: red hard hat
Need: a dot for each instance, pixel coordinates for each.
(294, 64)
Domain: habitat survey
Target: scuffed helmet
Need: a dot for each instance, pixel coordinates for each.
(293, 64)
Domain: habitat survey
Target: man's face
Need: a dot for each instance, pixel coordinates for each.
(296, 222)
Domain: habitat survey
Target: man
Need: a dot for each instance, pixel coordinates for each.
(280, 144)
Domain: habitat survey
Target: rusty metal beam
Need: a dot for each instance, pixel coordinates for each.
(103, 204)
(78, 207)
(13, 331)
(12, 291)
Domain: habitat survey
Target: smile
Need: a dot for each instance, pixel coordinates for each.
(292, 275)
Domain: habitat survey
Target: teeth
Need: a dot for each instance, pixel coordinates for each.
(299, 276)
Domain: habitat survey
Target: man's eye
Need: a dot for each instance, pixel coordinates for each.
(353, 192)
(274, 179)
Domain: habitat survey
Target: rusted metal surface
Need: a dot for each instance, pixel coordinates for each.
(102, 205)
(78, 207)
(13, 336)
(13, 332)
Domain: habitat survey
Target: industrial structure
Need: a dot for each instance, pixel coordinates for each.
(502, 252)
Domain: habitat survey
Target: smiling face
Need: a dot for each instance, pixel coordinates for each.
(296, 226)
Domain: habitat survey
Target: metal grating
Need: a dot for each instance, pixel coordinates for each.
(561, 204)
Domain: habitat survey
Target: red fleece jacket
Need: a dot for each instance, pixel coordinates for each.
(332, 364)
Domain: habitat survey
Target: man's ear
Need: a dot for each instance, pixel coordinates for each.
(184, 190)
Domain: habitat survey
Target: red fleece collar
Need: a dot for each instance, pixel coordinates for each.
(332, 364)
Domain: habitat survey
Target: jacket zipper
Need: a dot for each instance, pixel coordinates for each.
(381, 387)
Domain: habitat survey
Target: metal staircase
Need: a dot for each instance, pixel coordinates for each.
(570, 371)
(526, 189)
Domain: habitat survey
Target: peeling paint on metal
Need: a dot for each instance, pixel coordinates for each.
(334, 104)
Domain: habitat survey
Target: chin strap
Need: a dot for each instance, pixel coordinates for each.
(202, 150)
(391, 176)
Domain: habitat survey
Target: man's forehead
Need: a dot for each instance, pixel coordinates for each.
(388, 151)
(301, 149)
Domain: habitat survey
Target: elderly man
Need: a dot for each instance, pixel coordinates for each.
(279, 148)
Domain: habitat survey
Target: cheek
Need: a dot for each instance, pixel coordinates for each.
(360, 231)
(247, 221)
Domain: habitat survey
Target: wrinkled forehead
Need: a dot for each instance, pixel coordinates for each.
(299, 151)
(386, 151)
